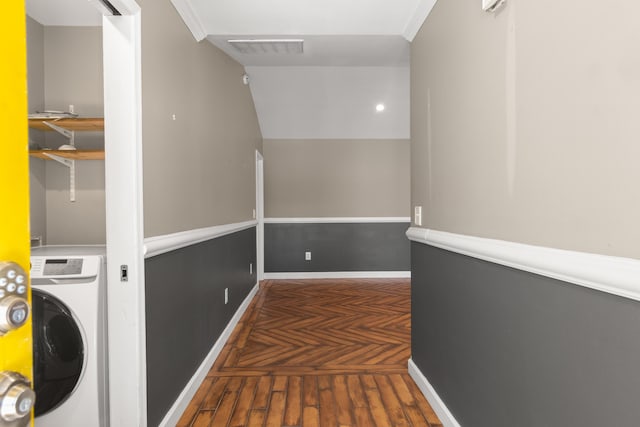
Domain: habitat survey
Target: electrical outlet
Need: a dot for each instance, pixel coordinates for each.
(307, 256)
(251, 268)
(226, 295)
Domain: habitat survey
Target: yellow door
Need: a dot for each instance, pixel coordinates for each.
(16, 364)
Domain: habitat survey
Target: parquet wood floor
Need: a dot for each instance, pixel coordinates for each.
(316, 353)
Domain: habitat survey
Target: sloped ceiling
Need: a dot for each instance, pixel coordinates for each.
(331, 102)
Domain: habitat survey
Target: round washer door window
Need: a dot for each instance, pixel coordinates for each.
(58, 351)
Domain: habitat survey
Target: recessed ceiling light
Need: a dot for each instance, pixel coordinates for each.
(380, 107)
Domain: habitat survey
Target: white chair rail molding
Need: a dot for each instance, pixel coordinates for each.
(614, 275)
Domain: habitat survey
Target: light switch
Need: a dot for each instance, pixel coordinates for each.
(417, 215)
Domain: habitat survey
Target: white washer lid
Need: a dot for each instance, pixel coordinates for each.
(69, 251)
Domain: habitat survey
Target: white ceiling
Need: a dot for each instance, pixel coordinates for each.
(336, 32)
(72, 13)
(332, 50)
(295, 17)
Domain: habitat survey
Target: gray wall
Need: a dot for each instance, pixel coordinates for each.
(73, 75)
(37, 199)
(199, 169)
(524, 123)
(35, 65)
(336, 247)
(503, 347)
(35, 81)
(80, 222)
(336, 178)
(73, 70)
(186, 312)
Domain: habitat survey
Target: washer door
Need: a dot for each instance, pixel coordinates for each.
(58, 351)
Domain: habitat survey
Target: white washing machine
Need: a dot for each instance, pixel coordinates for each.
(68, 286)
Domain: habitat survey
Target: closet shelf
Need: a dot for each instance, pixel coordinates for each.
(69, 154)
(67, 127)
(95, 124)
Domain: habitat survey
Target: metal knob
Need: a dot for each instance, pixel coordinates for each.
(17, 403)
(14, 312)
(16, 398)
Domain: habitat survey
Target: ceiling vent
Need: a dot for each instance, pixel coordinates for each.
(271, 46)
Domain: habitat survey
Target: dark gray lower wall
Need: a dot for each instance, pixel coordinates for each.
(336, 247)
(185, 310)
(503, 347)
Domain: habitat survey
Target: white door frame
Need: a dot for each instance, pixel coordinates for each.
(260, 215)
(124, 215)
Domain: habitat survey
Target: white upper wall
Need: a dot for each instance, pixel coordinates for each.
(331, 102)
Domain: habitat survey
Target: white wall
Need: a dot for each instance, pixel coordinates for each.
(331, 102)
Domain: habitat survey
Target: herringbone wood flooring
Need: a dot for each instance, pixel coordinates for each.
(316, 353)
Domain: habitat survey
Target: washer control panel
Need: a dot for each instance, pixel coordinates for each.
(14, 307)
(61, 267)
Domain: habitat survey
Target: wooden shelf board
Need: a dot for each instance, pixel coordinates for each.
(69, 154)
(95, 124)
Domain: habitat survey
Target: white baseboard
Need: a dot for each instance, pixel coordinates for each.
(339, 275)
(175, 412)
(339, 220)
(432, 397)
